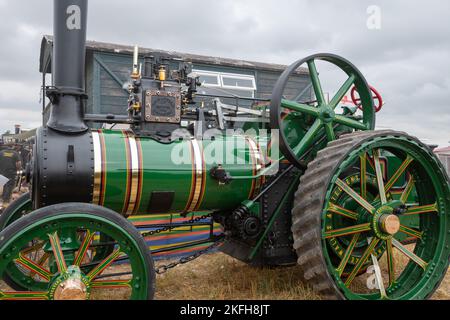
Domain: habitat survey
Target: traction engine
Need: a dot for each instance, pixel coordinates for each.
(363, 213)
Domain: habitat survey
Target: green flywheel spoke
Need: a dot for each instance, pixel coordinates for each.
(390, 261)
(342, 91)
(340, 269)
(29, 295)
(379, 174)
(342, 211)
(362, 261)
(363, 175)
(398, 173)
(421, 209)
(84, 248)
(412, 232)
(316, 82)
(57, 252)
(407, 190)
(299, 107)
(347, 231)
(33, 267)
(350, 122)
(363, 202)
(308, 138)
(409, 254)
(104, 264)
(329, 131)
(110, 284)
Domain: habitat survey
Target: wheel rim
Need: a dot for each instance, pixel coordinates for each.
(405, 271)
(63, 273)
(323, 119)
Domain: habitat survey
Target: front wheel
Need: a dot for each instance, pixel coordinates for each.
(371, 218)
(53, 251)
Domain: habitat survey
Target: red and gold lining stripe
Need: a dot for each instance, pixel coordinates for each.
(257, 164)
(134, 175)
(99, 168)
(198, 184)
(129, 176)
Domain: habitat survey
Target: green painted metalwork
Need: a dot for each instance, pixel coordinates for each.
(406, 175)
(19, 248)
(172, 168)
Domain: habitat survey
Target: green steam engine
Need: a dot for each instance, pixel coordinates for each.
(365, 214)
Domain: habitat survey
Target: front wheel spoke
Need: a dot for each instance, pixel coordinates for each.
(350, 122)
(342, 211)
(307, 139)
(421, 209)
(342, 91)
(28, 295)
(363, 202)
(41, 261)
(398, 173)
(361, 261)
(340, 269)
(110, 284)
(33, 267)
(83, 248)
(409, 186)
(329, 131)
(316, 82)
(363, 174)
(347, 231)
(390, 261)
(104, 264)
(379, 174)
(57, 252)
(299, 107)
(412, 232)
(411, 255)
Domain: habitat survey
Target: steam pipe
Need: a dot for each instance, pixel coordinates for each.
(67, 94)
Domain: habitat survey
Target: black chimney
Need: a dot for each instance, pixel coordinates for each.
(67, 93)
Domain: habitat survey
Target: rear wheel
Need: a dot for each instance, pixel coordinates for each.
(371, 218)
(52, 253)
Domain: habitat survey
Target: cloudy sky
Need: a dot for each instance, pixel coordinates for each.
(407, 58)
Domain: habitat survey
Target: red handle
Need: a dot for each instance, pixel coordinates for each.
(377, 96)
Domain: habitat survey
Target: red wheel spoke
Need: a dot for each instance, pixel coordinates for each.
(411, 232)
(112, 284)
(316, 82)
(390, 261)
(379, 174)
(342, 211)
(33, 267)
(363, 202)
(362, 261)
(347, 231)
(340, 269)
(398, 173)
(411, 255)
(28, 295)
(84, 248)
(104, 264)
(57, 252)
(342, 91)
(421, 209)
